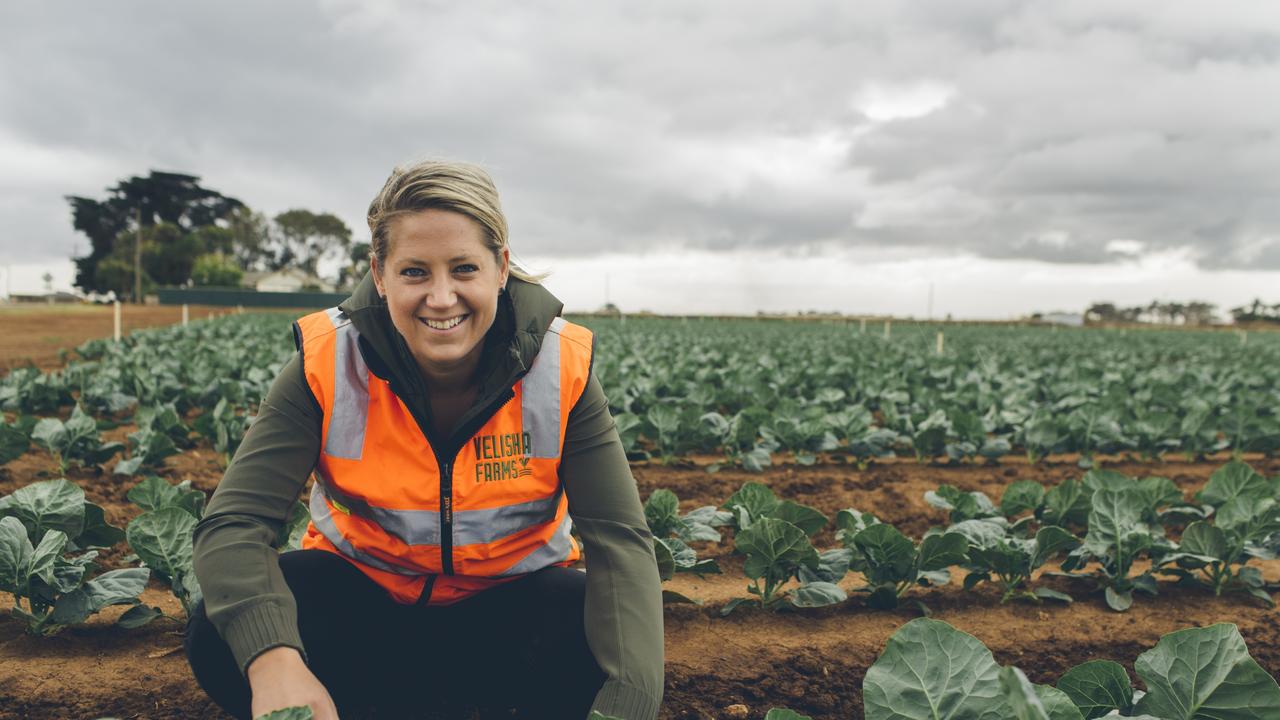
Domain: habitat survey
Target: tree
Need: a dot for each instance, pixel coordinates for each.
(351, 273)
(216, 270)
(304, 237)
(250, 238)
(172, 198)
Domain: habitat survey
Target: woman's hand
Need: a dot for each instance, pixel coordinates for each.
(279, 679)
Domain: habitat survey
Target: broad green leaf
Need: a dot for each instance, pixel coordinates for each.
(666, 563)
(1051, 540)
(773, 545)
(818, 594)
(1034, 702)
(942, 551)
(138, 615)
(757, 499)
(1115, 513)
(47, 505)
(96, 532)
(162, 539)
(1067, 503)
(1096, 480)
(1235, 479)
(931, 671)
(13, 442)
(889, 555)
(1021, 496)
(15, 555)
(662, 513)
(1097, 687)
(1205, 673)
(802, 516)
(116, 587)
(1201, 538)
(979, 533)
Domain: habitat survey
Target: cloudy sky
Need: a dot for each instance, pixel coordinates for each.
(710, 156)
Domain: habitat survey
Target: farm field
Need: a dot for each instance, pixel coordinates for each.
(822, 415)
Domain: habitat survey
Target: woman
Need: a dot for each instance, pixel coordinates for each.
(454, 427)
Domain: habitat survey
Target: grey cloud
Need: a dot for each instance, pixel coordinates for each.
(717, 125)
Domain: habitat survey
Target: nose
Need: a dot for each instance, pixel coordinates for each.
(440, 294)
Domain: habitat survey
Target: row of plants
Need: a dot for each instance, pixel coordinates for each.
(1114, 534)
(51, 535)
(929, 670)
(746, 390)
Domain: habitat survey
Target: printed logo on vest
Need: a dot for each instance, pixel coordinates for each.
(502, 457)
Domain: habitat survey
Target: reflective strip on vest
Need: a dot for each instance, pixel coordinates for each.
(323, 520)
(470, 527)
(350, 392)
(540, 404)
(558, 548)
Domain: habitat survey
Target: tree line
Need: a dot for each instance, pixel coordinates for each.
(1195, 312)
(166, 229)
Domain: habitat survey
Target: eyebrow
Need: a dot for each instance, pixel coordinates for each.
(454, 259)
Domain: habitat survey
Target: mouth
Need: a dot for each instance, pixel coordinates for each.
(446, 325)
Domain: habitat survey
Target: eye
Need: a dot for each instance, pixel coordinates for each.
(466, 268)
(413, 272)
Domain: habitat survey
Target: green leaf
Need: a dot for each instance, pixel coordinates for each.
(1233, 480)
(662, 513)
(137, 616)
(1051, 540)
(666, 563)
(1205, 673)
(162, 539)
(942, 551)
(817, 594)
(888, 554)
(116, 587)
(1201, 538)
(1118, 600)
(304, 713)
(757, 499)
(1067, 503)
(13, 442)
(802, 516)
(1097, 687)
(290, 537)
(16, 552)
(1021, 496)
(96, 532)
(47, 505)
(775, 546)
(1114, 514)
(1024, 701)
(931, 671)
(1047, 594)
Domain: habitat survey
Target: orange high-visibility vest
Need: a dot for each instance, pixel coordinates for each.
(425, 526)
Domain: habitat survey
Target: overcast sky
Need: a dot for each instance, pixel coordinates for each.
(716, 156)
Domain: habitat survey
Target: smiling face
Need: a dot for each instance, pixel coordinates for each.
(441, 284)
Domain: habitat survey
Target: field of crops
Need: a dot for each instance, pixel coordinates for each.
(1062, 496)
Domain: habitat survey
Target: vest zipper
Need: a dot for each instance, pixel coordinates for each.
(446, 516)
(446, 474)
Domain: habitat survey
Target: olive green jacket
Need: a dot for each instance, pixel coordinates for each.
(245, 594)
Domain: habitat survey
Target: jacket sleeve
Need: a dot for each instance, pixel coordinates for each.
(245, 594)
(623, 613)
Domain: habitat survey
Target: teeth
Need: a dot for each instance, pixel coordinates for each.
(445, 324)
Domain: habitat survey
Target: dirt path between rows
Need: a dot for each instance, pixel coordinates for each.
(811, 661)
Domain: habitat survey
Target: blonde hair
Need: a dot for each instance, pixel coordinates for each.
(436, 184)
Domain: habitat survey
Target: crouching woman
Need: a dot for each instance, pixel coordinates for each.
(456, 434)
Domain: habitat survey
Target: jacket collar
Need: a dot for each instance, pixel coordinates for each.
(525, 311)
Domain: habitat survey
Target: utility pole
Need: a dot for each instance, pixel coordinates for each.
(137, 259)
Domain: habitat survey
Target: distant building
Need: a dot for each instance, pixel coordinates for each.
(60, 298)
(288, 280)
(1062, 318)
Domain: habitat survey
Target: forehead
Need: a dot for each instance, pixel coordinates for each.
(434, 234)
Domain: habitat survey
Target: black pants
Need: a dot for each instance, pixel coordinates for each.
(520, 645)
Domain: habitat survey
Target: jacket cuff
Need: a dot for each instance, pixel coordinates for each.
(258, 629)
(620, 700)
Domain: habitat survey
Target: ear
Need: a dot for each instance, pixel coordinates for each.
(505, 270)
(376, 271)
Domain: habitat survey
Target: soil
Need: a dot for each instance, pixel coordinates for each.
(811, 661)
(37, 334)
